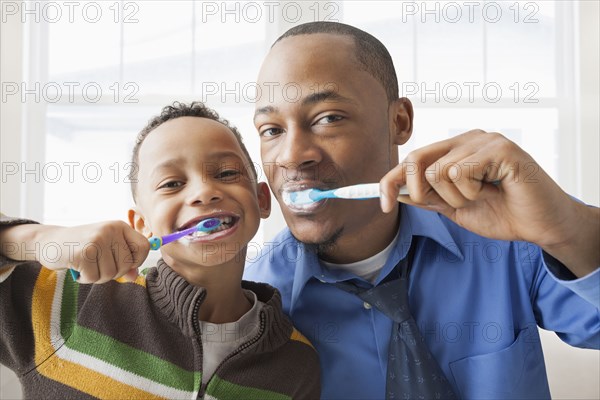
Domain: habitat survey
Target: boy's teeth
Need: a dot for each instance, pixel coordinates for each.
(225, 222)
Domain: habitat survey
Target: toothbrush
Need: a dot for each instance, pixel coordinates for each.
(356, 192)
(156, 242)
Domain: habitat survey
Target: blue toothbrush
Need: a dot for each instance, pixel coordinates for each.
(156, 242)
(356, 192)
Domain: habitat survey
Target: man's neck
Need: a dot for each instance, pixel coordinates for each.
(364, 242)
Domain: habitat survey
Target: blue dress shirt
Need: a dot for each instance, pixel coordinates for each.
(477, 302)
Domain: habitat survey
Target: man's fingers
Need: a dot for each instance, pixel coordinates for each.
(390, 185)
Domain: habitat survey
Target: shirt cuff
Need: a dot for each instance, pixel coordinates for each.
(586, 287)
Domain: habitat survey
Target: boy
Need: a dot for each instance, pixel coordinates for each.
(186, 330)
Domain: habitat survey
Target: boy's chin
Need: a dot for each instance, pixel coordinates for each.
(204, 258)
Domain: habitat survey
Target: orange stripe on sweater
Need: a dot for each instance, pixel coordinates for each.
(66, 372)
(297, 336)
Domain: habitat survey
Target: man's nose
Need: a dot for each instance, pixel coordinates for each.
(299, 149)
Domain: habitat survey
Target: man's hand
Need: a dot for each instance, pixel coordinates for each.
(99, 252)
(492, 187)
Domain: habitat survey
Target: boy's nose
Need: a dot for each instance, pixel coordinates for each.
(204, 194)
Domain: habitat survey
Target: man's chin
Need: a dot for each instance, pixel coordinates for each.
(319, 242)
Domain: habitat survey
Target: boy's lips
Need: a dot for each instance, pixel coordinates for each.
(229, 222)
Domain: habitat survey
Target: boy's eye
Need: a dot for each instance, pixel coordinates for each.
(270, 132)
(328, 119)
(228, 174)
(171, 185)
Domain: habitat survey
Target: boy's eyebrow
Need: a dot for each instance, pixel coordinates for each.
(212, 158)
(313, 98)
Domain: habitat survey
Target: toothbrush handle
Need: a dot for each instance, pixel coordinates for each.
(171, 237)
(206, 225)
(362, 191)
(156, 242)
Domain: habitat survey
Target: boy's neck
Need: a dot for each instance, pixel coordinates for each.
(224, 305)
(225, 300)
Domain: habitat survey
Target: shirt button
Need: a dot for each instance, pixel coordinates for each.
(366, 305)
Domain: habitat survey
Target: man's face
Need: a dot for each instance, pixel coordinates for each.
(324, 123)
(193, 168)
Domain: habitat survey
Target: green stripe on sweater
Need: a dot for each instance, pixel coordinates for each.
(68, 306)
(117, 353)
(225, 390)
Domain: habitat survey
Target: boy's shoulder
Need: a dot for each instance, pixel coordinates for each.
(294, 363)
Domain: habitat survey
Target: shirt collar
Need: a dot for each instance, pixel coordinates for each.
(413, 222)
(428, 224)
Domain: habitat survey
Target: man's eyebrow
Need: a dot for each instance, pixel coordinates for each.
(265, 110)
(326, 95)
(317, 97)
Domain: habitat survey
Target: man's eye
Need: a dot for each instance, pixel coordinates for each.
(328, 119)
(228, 174)
(171, 185)
(270, 132)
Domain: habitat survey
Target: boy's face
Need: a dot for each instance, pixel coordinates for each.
(192, 168)
(326, 123)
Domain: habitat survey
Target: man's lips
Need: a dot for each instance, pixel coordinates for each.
(304, 185)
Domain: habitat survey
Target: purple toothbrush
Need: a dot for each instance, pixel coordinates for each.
(156, 242)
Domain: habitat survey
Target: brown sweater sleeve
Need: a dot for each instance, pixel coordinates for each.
(17, 347)
(16, 289)
(6, 222)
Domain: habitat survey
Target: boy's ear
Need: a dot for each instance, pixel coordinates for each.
(137, 222)
(401, 120)
(264, 199)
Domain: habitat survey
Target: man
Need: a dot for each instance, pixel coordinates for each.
(335, 119)
(495, 255)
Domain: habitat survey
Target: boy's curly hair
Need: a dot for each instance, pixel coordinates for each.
(177, 110)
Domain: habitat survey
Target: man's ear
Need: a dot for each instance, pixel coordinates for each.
(264, 199)
(137, 222)
(401, 120)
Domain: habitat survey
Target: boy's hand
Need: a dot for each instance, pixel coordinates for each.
(99, 252)
(489, 185)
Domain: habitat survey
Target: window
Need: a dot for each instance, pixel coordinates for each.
(488, 65)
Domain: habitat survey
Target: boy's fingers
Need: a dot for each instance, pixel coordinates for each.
(88, 272)
(131, 275)
(107, 265)
(138, 246)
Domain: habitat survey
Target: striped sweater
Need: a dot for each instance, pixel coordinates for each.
(139, 340)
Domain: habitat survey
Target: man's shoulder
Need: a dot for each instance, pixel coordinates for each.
(282, 249)
(275, 263)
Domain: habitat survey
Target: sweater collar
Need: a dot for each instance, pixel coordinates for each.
(179, 301)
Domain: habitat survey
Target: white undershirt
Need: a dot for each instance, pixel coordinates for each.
(220, 340)
(369, 268)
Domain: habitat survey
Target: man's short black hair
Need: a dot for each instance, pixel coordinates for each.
(177, 110)
(370, 52)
